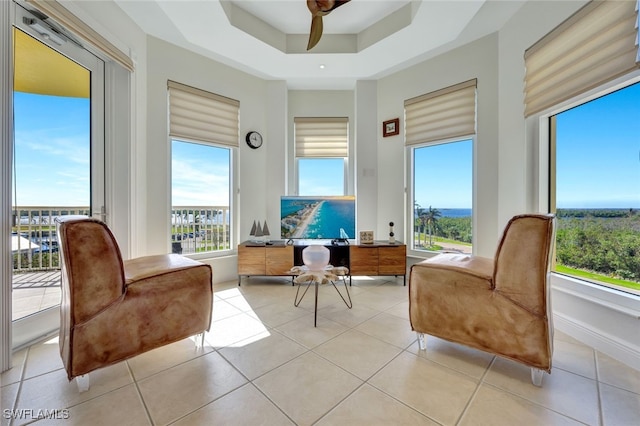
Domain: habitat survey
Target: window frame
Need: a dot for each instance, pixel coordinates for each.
(538, 131)
(347, 182)
(233, 196)
(410, 179)
(191, 101)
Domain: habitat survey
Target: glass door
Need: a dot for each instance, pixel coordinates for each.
(58, 164)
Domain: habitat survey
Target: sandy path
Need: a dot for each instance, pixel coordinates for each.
(308, 218)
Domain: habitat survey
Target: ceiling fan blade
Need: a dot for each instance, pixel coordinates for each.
(339, 3)
(318, 9)
(316, 31)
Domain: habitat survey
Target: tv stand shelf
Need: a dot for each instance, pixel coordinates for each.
(277, 258)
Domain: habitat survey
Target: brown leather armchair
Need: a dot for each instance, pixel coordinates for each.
(112, 309)
(499, 305)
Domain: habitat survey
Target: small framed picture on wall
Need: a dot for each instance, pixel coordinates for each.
(391, 127)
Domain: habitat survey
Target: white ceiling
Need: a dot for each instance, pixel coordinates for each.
(362, 40)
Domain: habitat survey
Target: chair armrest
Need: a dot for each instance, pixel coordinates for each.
(149, 266)
(475, 266)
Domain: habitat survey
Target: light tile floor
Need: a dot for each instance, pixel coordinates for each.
(34, 291)
(264, 363)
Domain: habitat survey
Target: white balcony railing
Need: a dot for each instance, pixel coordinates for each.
(198, 229)
(34, 243)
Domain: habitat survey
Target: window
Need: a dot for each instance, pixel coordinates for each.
(442, 212)
(321, 150)
(595, 189)
(594, 170)
(439, 129)
(204, 134)
(200, 197)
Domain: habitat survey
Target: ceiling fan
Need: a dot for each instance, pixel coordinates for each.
(318, 9)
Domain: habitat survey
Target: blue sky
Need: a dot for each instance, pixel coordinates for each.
(443, 175)
(52, 150)
(598, 159)
(321, 176)
(598, 152)
(199, 175)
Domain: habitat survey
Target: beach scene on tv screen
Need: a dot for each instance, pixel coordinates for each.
(318, 217)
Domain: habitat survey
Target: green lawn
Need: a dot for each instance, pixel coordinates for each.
(559, 268)
(447, 240)
(425, 237)
(597, 277)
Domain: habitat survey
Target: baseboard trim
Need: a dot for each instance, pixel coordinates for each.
(631, 312)
(606, 344)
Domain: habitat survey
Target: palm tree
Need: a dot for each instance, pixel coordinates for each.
(418, 223)
(422, 223)
(430, 218)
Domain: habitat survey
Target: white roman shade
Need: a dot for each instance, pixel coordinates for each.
(198, 115)
(322, 137)
(593, 46)
(444, 114)
(56, 11)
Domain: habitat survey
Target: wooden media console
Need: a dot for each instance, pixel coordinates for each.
(277, 258)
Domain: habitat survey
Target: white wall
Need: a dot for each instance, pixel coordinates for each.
(276, 144)
(125, 155)
(476, 60)
(169, 62)
(366, 160)
(603, 318)
(319, 103)
(518, 183)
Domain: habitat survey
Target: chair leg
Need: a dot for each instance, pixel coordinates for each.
(422, 341)
(83, 382)
(536, 376)
(199, 338)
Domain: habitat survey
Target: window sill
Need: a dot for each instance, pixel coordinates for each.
(620, 301)
(211, 254)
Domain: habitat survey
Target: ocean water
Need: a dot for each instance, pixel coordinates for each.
(332, 216)
(455, 212)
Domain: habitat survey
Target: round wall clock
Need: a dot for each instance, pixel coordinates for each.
(254, 140)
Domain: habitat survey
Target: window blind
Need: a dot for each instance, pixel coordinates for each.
(195, 114)
(54, 10)
(595, 45)
(321, 137)
(444, 114)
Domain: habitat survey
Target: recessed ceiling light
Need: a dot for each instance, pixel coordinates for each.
(321, 66)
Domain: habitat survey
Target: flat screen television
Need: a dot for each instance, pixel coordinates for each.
(315, 217)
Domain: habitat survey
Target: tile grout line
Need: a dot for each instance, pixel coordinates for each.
(480, 382)
(537, 404)
(364, 381)
(476, 390)
(19, 392)
(271, 401)
(598, 388)
(251, 381)
(135, 383)
(311, 350)
(393, 397)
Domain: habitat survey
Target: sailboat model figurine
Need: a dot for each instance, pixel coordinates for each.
(265, 232)
(258, 233)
